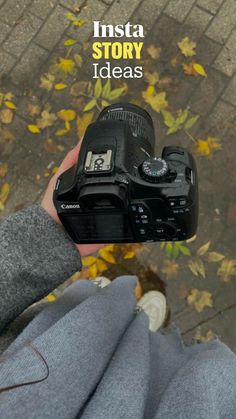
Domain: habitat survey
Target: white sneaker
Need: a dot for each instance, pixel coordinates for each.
(153, 304)
(101, 281)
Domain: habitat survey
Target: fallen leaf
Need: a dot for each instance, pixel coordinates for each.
(10, 104)
(47, 119)
(33, 128)
(199, 69)
(67, 115)
(129, 255)
(51, 298)
(98, 88)
(70, 42)
(66, 65)
(209, 336)
(227, 269)
(157, 101)
(152, 78)
(83, 122)
(107, 256)
(79, 88)
(88, 260)
(4, 193)
(170, 268)
(191, 122)
(106, 89)
(196, 266)
(60, 86)
(214, 257)
(101, 265)
(93, 270)
(78, 60)
(33, 109)
(47, 81)
(154, 52)
(200, 299)
(206, 148)
(203, 249)
(189, 69)
(6, 116)
(3, 169)
(90, 105)
(187, 47)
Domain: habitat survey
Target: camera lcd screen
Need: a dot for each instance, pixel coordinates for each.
(101, 226)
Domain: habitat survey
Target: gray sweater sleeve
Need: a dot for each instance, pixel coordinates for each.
(36, 255)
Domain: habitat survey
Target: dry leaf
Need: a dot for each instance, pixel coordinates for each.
(3, 169)
(187, 47)
(152, 78)
(10, 104)
(207, 147)
(209, 336)
(214, 257)
(200, 299)
(83, 122)
(170, 268)
(196, 266)
(51, 298)
(129, 255)
(227, 269)
(33, 109)
(189, 69)
(93, 271)
(88, 260)
(157, 101)
(66, 65)
(67, 115)
(154, 52)
(101, 265)
(47, 81)
(47, 119)
(107, 256)
(70, 42)
(6, 116)
(78, 60)
(4, 193)
(203, 249)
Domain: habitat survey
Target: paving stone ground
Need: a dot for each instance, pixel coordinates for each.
(31, 37)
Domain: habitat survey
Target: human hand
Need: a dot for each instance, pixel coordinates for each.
(48, 205)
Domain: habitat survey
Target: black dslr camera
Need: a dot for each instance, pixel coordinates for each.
(119, 192)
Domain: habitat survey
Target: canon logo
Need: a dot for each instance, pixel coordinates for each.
(73, 206)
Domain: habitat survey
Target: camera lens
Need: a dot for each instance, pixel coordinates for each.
(139, 120)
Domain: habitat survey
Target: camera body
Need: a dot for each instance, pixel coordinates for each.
(119, 192)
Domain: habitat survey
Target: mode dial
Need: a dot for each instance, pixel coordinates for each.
(154, 170)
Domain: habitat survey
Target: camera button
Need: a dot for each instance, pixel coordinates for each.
(182, 202)
(142, 231)
(173, 203)
(144, 221)
(140, 210)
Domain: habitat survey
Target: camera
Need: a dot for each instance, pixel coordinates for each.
(120, 192)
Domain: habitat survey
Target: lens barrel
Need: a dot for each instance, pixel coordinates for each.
(139, 121)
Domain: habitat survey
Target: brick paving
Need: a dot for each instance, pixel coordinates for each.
(31, 36)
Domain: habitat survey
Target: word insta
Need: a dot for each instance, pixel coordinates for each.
(117, 50)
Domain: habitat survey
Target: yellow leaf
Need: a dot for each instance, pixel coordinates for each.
(98, 88)
(4, 193)
(206, 148)
(93, 271)
(60, 86)
(90, 105)
(107, 256)
(110, 248)
(3, 169)
(10, 104)
(116, 93)
(70, 42)
(227, 269)
(209, 336)
(51, 298)
(214, 257)
(196, 266)
(200, 299)
(71, 16)
(67, 114)
(65, 130)
(66, 65)
(6, 116)
(47, 81)
(55, 169)
(33, 128)
(88, 260)
(199, 69)
(157, 101)
(203, 249)
(187, 47)
(154, 52)
(129, 255)
(79, 22)
(101, 265)
(189, 69)
(83, 122)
